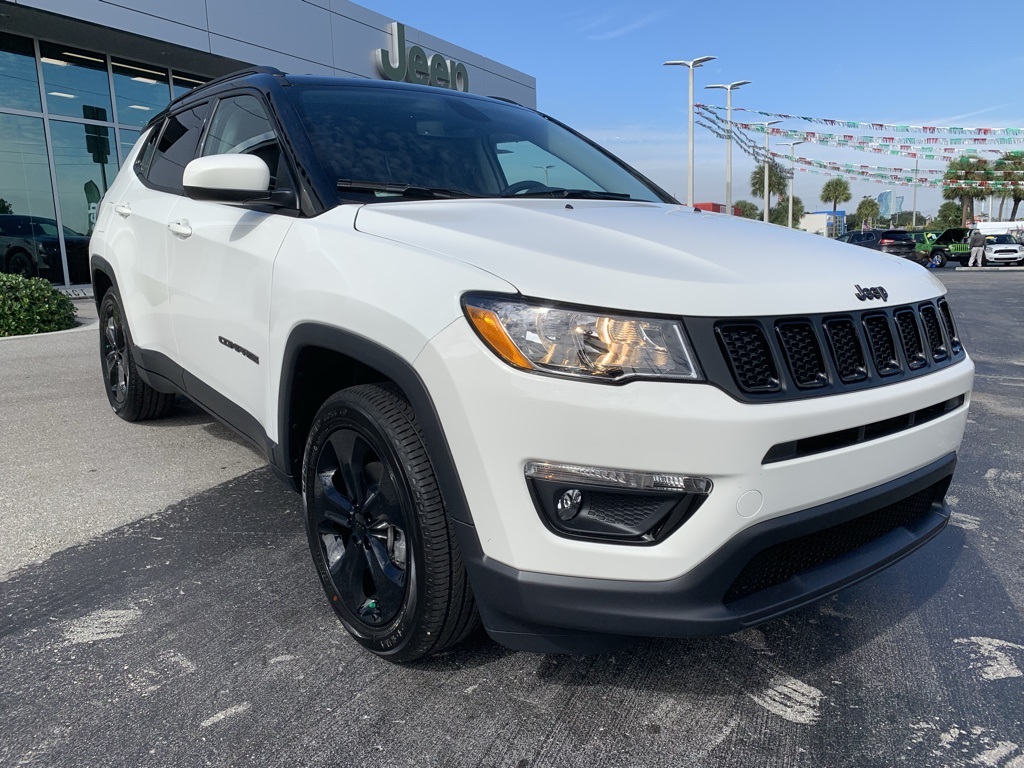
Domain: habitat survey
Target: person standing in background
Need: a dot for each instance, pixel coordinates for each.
(977, 243)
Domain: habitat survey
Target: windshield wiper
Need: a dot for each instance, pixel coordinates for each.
(402, 190)
(577, 194)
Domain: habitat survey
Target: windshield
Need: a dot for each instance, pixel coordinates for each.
(901, 236)
(1000, 240)
(431, 140)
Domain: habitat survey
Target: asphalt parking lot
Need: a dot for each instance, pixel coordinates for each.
(158, 608)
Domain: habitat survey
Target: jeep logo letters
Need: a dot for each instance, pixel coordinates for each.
(413, 66)
(865, 294)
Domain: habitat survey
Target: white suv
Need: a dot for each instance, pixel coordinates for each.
(511, 377)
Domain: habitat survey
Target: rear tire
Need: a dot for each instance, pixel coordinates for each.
(381, 539)
(129, 396)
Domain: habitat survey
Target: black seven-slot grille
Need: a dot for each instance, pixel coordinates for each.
(793, 357)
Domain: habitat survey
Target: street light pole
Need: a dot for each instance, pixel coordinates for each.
(766, 124)
(728, 88)
(913, 216)
(545, 168)
(792, 173)
(691, 65)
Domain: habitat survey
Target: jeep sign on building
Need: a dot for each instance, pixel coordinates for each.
(79, 81)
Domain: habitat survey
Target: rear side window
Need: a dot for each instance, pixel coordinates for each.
(177, 147)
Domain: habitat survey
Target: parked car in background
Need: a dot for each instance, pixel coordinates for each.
(1002, 250)
(895, 242)
(923, 244)
(30, 246)
(952, 245)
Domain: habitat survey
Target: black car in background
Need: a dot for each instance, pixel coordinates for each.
(30, 246)
(896, 242)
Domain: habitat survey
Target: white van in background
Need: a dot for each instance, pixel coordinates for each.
(1000, 227)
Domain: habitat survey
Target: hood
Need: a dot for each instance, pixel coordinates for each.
(649, 257)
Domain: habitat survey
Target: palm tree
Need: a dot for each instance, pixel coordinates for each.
(867, 209)
(1011, 161)
(965, 169)
(777, 183)
(836, 191)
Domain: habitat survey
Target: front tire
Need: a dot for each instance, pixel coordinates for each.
(21, 263)
(129, 396)
(378, 531)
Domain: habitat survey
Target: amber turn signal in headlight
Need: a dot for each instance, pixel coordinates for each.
(581, 342)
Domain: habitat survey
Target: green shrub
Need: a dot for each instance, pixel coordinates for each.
(32, 305)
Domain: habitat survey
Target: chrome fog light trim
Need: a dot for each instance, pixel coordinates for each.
(617, 478)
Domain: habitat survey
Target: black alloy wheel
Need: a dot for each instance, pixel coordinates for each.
(114, 349)
(129, 396)
(359, 513)
(380, 537)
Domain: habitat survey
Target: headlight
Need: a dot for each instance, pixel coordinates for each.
(581, 342)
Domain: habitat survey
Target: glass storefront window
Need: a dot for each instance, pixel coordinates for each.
(183, 83)
(139, 92)
(19, 85)
(83, 175)
(128, 139)
(26, 201)
(86, 155)
(75, 82)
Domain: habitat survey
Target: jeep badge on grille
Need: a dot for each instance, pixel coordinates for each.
(865, 294)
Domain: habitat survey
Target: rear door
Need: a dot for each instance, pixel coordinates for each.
(140, 245)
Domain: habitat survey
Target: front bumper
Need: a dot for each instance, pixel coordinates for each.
(1004, 259)
(765, 571)
(527, 577)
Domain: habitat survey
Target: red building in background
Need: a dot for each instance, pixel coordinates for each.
(717, 208)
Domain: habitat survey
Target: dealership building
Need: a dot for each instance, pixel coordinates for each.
(79, 79)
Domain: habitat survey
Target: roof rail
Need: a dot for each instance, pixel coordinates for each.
(242, 73)
(254, 70)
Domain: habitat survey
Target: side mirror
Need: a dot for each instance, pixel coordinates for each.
(228, 179)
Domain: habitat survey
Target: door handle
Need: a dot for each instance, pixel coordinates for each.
(123, 210)
(180, 228)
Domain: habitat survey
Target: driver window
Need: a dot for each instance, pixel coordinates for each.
(241, 126)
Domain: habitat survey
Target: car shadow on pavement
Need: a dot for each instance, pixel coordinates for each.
(187, 413)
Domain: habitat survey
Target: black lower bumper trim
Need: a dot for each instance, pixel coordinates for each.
(544, 612)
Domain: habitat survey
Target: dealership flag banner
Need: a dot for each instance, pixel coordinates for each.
(893, 127)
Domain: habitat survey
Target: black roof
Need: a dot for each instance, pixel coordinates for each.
(265, 77)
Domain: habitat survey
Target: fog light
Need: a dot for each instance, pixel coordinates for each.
(569, 504)
(613, 505)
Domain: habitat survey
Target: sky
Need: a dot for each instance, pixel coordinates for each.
(599, 68)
